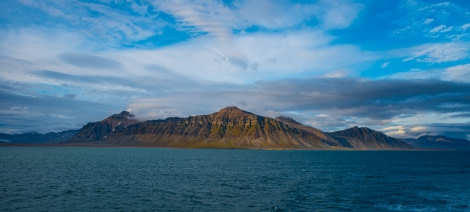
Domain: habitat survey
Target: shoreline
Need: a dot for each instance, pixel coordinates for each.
(5, 144)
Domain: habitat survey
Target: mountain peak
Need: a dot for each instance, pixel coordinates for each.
(230, 109)
(361, 129)
(232, 112)
(124, 118)
(123, 114)
(366, 138)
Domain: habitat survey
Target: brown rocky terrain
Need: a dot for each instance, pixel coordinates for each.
(97, 131)
(230, 127)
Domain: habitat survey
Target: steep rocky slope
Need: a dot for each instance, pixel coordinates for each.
(98, 131)
(228, 128)
(365, 138)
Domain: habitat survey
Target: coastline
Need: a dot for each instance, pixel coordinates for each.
(6, 144)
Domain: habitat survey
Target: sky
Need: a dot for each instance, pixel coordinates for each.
(401, 66)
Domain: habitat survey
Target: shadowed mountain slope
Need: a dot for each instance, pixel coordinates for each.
(97, 131)
(439, 142)
(365, 138)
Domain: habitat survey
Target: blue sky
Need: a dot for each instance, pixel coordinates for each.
(402, 67)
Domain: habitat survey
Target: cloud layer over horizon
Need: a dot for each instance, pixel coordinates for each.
(402, 67)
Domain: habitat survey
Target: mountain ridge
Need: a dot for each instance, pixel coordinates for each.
(95, 131)
(38, 138)
(439, 142)
(230, 127)
(366, 138)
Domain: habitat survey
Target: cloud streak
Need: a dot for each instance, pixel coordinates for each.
(25, 113)
(439, 53)
(89, 61)
(102, 22)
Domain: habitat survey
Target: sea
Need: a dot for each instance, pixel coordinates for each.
(159, 179)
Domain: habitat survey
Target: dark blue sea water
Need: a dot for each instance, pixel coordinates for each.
(151, 179)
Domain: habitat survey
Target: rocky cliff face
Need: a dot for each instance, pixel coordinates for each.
(227, 128)
(98, 131)
(230, 127)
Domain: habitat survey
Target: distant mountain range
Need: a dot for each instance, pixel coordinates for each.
(37, 138)
(439, 142)
(230, 127)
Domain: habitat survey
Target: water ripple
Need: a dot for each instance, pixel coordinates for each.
(146, 179)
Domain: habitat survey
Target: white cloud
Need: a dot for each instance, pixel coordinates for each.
(154, 108)
(409, 131)
(225, 56)
(428, 126)
(26, 53)
(219, 19)
(338, 14)
(249, 57)
(421, 118)
(27, 50)
(337, 74)
(441, 29)
(438, 28)
(416, 74)
(275, 15)
(384, 65)
(395, 131)
(459, 73)
(102, 23)
(230, 53)
(428, 20)
(439, 53)
(48, 8)
(465, 26)
(419, 129)
(207, 16)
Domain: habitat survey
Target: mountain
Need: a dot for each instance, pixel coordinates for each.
(98, 131)
(365, 138)
(230, 127)
(37, 138)
(439, 142)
